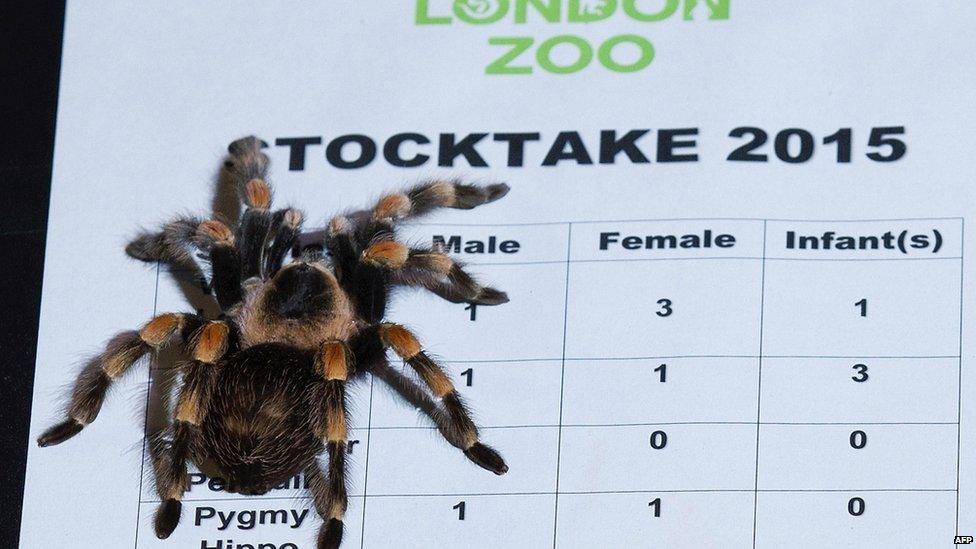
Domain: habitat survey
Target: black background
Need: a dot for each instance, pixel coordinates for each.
(30, 62)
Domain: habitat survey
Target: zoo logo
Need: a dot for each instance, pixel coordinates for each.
(484, 12)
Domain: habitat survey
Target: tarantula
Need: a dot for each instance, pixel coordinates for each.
(263, 391)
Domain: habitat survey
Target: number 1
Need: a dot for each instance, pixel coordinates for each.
(843, 139)
(863, 304)
(460, 510)
(656, 504)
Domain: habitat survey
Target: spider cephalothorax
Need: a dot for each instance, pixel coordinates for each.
(263, 389)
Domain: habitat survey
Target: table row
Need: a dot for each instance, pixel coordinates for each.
(645, 458)
(600, 392)
(676, 239)
(720, 307)
(675, 520)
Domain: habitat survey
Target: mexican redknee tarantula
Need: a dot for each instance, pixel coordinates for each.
(264, 388)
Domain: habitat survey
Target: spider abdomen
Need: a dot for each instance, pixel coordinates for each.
(258, 432)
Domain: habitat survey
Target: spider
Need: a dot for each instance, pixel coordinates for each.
(263, 389)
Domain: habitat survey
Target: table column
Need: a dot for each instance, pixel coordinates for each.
(506, 363)
(859, 387)
(658, 435)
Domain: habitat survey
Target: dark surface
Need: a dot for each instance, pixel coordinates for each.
(30, 60)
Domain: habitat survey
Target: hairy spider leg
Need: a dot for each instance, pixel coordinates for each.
(428, 196)
(247, 166)
(365, 283)
(432, 268)
(417, 201)
(436, 271)
(207, 345)
(372, 354)
(121, 352)
(348, 236)
(459, 429)
(177, 243)
(251, 235)
(329, 493)
(364, 227)
(286, 224)
(374, 265)
(262, 238)
(225, 262)
(173, 244)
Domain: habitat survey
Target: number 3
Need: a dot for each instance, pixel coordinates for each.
(665, 308)
(862, 373)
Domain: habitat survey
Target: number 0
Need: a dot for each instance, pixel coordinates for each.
(782, 145)
(659, 439)
(855, 507)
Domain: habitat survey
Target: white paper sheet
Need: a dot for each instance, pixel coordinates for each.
(747, 393)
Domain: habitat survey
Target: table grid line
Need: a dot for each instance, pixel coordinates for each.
(369, 438)
(704, 258)
(663, 219)
(962, 248)
(654, 423)
(665, 357)
(658, 357)
(562, 384)
(475, 263)
(145, 425)
(303, 498)
(762, 304)
(907, 357)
